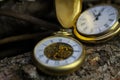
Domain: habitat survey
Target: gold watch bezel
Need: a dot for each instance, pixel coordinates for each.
(60, 70)
(115, 29)
(97, 39)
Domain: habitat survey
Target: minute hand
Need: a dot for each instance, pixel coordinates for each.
(99, 14)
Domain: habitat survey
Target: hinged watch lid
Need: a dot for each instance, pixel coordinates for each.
(67, 11)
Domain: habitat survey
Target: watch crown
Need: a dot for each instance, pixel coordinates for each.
(67, 32)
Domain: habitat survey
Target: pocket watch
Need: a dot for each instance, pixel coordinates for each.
(61, 53)
(94, 25)
(98, 24)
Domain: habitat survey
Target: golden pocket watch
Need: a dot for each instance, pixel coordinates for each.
(61, 53)
(94, 25)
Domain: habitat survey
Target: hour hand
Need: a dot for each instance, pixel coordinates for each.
(95, 16)
(93, 13)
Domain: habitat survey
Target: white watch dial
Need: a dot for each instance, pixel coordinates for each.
(57, 51)
(97, 20)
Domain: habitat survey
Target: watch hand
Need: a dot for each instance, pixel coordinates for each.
(93, 14)
(99, 14)
(100, 11)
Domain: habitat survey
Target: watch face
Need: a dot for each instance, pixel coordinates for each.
(57, 51)
(97, 20)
